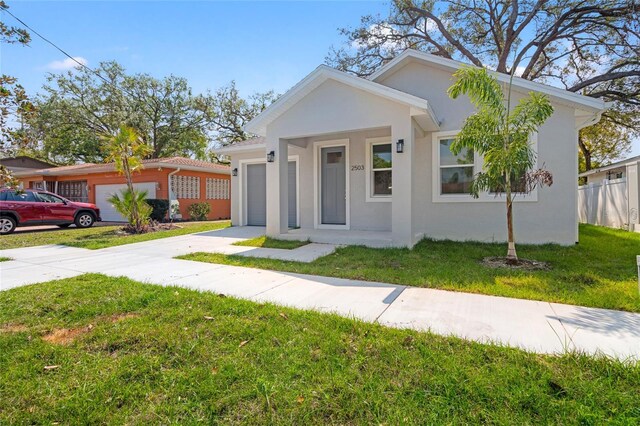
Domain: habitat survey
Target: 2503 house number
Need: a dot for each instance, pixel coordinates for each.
(357, 167)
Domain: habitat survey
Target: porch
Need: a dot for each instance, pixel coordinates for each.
(375, 239)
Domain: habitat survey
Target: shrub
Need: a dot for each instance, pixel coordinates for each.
(132, 206)
(159, 209)
(199, 211)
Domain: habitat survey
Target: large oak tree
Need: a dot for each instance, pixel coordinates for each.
(590, 47)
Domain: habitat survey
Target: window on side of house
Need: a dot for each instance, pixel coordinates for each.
(379, 169)
(456, 172)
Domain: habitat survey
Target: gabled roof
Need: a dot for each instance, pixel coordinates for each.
(410, 55)
(615, 165)
(323, 73)
(170, 162)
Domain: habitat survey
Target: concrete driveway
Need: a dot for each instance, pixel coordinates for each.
(41, 228)
(534, 326)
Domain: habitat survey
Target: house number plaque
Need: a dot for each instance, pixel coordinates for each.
(357, 167)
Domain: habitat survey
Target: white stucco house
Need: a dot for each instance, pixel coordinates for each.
(367, 161)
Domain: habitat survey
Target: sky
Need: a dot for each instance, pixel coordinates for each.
(261, 45)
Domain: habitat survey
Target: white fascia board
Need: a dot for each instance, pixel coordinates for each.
(228, 150)
(318, 76)
(577, 100)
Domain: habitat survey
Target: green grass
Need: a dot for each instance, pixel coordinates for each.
(268, 242)
(4, 259)
(178, 358)
(100, 236)
(599, 272)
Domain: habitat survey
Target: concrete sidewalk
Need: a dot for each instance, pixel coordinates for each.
(534, 326)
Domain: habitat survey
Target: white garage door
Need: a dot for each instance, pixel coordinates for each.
(104, 192)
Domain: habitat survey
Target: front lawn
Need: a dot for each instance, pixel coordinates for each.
(599, 272)
(100, 236)
(268, 242)
(100, 350)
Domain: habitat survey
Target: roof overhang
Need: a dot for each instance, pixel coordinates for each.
(420, 108)
(243, 148)
(100, 168)
(575, 100)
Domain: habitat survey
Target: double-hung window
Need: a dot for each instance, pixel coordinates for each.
(379, 164)
(456, 170)
(453, 174)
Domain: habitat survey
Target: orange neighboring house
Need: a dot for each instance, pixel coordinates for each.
(177, 178)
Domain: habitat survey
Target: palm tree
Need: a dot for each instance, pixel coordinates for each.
(502, 135)
(126, 149)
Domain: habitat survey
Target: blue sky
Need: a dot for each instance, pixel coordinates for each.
(261, 45)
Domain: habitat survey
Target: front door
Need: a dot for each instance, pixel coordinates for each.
(333, 195)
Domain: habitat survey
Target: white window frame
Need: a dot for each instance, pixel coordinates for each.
(370, 196)
(484, 197)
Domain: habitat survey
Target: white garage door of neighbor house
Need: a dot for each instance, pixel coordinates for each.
(104, 192)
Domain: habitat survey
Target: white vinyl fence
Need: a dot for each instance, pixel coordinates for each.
(604, 203)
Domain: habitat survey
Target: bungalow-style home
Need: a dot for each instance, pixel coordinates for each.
(24, 162)
(183, 179)
(367, 161)
(611, 196)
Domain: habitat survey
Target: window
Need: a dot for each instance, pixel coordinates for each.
(218, 189)
(26, 196)
(379, 174)
(452, 175)
(185, 187)
(456, 171)
(49, 198)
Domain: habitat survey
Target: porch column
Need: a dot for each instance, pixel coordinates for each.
(277, 187)
(402, 182)
(633, 196)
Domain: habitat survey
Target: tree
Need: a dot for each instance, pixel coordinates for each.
(502, 136)
(127, 149)
(14, 103)
(232, 112)
(80, 105)
(590, 47)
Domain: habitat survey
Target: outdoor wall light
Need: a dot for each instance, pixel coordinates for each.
(271, 156)
(234, 172)
(400, 146)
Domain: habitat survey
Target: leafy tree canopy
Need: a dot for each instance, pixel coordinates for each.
(590, 47)
(79, 106)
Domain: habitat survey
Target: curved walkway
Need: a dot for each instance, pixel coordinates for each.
(531, 325)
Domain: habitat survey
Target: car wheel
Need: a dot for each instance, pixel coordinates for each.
(7, 225)
(84, 220)
(64, 225)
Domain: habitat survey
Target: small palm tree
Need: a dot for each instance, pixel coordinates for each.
(126, 149)
(503, 137)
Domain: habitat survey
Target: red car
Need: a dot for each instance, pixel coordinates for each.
(33, 207)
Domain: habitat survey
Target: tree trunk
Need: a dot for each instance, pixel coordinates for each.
(135, 217)
(512, 256)
(585, 153)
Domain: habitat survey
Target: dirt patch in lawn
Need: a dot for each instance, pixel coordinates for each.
(65, 336)
(521, 264)
(151, 227)
(13, 328)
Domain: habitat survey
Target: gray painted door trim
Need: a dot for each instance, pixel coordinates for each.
(242, 186)
(317, 179)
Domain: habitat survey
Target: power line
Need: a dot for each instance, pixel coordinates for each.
(91, 70)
